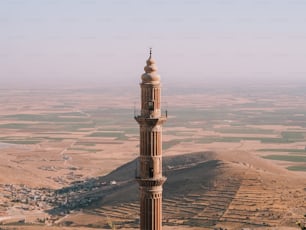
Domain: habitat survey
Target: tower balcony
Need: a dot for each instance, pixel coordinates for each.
(150, 182)
(150, 119)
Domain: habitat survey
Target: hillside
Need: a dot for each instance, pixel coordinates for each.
(205, 189)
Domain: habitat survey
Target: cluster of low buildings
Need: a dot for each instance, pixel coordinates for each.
(17, 200)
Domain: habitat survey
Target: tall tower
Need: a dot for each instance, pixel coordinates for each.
(150, 176)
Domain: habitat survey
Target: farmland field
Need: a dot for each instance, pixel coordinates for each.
(64, 137)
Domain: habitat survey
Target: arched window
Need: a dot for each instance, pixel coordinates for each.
(151, 105)
(151, 172)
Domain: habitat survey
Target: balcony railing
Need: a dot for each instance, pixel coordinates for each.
(137, 113)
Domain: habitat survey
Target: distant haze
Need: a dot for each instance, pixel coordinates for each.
(71, 43)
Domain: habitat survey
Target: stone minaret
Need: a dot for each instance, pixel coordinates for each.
(150, 177)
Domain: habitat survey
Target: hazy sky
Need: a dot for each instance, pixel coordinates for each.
(199, 41)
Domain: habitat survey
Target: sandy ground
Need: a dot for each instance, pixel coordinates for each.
(57, 163)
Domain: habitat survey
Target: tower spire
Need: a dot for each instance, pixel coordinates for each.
(150, 176)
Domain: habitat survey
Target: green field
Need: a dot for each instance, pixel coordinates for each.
(21, 142)
(297, 168)
(245, 130)
(51, 117)
(117, 135)
(15, 126)
(291, 158)
(228, 123)
(83, 143)
(293, 151)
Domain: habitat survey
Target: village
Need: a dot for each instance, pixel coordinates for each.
(43, 205)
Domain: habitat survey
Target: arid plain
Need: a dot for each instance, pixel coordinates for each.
(234, 159)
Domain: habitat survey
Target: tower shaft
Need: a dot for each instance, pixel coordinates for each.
(150, 176)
